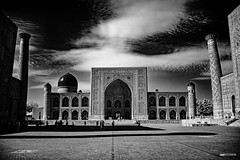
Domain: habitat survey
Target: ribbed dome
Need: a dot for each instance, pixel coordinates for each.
(67, 80)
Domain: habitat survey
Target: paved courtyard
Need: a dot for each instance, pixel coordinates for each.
(150, 141)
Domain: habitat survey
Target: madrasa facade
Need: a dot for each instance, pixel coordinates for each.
(116, 93)
(123, 92)
(226, 88)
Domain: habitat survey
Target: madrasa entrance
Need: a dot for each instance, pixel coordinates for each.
(118, 93)
(118, 100)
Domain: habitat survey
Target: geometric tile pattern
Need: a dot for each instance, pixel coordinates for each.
(134, 77)
(234, 29)
(191, 101)
(216, 73)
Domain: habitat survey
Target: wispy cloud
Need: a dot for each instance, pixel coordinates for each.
(53, 80)
(109, 43)
(84, 59)
(134, 20)
(139, 18)
(34, 29)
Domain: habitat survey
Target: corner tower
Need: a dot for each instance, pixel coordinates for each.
(47, 101)
(216, 73)
(191, 100)
(23, 73)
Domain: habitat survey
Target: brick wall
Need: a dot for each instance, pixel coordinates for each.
(227, 83)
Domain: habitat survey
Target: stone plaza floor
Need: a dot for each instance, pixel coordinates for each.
(149, 141)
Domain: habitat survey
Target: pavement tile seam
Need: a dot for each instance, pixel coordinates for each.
(192, 147)
(148, 147)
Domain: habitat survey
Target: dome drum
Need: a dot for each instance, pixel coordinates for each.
(67, 89)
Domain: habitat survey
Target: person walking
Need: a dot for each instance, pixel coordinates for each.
(113, 124)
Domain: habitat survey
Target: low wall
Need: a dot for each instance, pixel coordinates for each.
(72, 122)
(204, 122)
(160, 121)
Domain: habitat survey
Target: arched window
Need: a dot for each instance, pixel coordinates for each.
(172, 101)
(118, 114)
(109, 114)
(183, 114)
(65, 102)
(233, 104)
(162, 114)
(64, 115)
(118, 104)
(152, 114)
(172, 114)
(85, 101)
(152, 101)
(162, 101)
(55, 102)
(75, 102)
(84, 115)
(74, 115)
(182, 101)
(127, 103)
(55, 115)
(127, 115)
(39, 115)
(109, 103)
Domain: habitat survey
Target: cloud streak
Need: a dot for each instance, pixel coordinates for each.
(136, 19)
(84, 59)
(109, 41)
(137, 29)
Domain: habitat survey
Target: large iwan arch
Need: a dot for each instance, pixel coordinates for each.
(132, 106)
(119, 95)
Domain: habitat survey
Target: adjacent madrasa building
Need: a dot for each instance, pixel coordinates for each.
(13, 91)
(116, 93)
(226, 89)
(123, 92)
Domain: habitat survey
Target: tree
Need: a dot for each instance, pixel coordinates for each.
(205, 107)
(31, 105)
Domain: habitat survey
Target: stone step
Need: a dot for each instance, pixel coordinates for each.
(236, 123)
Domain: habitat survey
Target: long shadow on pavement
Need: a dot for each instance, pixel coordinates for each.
(108, 135)
(70, 128)
(91, 128)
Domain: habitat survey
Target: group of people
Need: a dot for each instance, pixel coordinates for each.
(58, 123)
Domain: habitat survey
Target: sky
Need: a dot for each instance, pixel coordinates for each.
(167, 36)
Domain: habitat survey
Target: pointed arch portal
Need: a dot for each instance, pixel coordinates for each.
(119, 94)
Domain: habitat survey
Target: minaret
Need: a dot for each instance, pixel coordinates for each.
(216, 73)
(191, 100)
(23, 73)
(157, 103)
(47, 101)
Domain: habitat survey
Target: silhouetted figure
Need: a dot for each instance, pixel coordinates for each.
(113, 124)
(46, 123)
(66, 122)
(97, 123)
(56, 123)
(18, 125)
(37, 124)
(138, 124)
(60, 123)
(101, 124)
(85, 123)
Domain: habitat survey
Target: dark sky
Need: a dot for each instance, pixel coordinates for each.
(167, 36)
